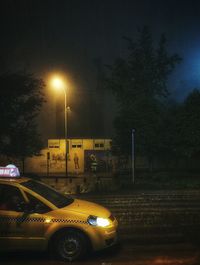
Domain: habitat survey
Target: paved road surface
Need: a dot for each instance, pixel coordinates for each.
(126, 254)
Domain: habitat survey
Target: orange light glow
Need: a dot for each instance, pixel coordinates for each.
(57, 82)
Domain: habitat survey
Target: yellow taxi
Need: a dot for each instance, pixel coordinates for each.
(34, 216)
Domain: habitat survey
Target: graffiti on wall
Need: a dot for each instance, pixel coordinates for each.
(98, 161)
(76, 161)
(57, 160)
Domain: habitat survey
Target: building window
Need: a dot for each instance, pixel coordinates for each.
(76, 146)
(99, 145)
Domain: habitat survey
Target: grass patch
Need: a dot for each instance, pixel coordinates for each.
(161, 180)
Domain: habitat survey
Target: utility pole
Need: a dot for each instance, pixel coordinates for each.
(133, 156)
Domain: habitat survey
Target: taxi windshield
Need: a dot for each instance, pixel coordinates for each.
(56, 198)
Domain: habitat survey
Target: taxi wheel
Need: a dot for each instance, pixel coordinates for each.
(71, 246)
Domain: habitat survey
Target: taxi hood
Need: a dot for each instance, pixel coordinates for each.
(88, 208)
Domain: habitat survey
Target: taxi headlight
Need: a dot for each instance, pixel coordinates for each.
(98, 221)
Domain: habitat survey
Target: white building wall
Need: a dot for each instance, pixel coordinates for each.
(56, 154)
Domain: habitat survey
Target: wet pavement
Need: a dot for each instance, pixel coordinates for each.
(124, 254)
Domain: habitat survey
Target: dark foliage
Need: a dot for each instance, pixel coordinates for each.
(187, 127)
(139, 83)
(21, 98)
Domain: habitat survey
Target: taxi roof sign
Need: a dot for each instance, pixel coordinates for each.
(9, 171)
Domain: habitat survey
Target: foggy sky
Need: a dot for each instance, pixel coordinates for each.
(73, 35)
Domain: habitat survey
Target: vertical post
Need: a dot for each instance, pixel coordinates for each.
(133, 155)
(48, 158)
(66, 149)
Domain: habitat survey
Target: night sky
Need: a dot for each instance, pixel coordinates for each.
(76, 37)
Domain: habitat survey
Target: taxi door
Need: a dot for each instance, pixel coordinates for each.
(18, 229)
(36, 223)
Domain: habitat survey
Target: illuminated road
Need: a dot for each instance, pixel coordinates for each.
(127, 254)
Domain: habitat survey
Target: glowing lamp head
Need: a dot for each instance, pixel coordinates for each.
(57, 83)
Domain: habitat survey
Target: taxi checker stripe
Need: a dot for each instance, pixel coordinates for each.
(20, 219)
(40, 220)
(68, 221)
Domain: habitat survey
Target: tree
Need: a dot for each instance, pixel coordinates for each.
(187, 130)
(21, 99)
(139, 83)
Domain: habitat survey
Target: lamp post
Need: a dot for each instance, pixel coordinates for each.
(58, 83)
(133, 156)
(66, 145)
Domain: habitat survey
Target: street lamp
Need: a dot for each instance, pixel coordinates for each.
(58, 83)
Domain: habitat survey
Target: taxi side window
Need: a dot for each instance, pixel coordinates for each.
(10, 198)
(36, 205)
